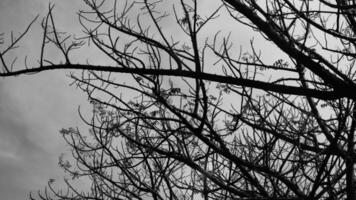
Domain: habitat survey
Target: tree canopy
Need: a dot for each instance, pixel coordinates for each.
(197, 117)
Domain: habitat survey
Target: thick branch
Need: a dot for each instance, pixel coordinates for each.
(288, 48)
(283, 89)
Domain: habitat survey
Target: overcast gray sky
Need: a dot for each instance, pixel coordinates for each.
(33, 108)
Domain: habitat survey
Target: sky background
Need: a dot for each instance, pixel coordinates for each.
(33, 108)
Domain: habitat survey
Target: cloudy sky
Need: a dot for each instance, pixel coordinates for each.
(33, 108)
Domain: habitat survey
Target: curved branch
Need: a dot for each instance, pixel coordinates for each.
(266, 86)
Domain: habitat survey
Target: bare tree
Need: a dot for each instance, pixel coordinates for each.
(200, 118)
